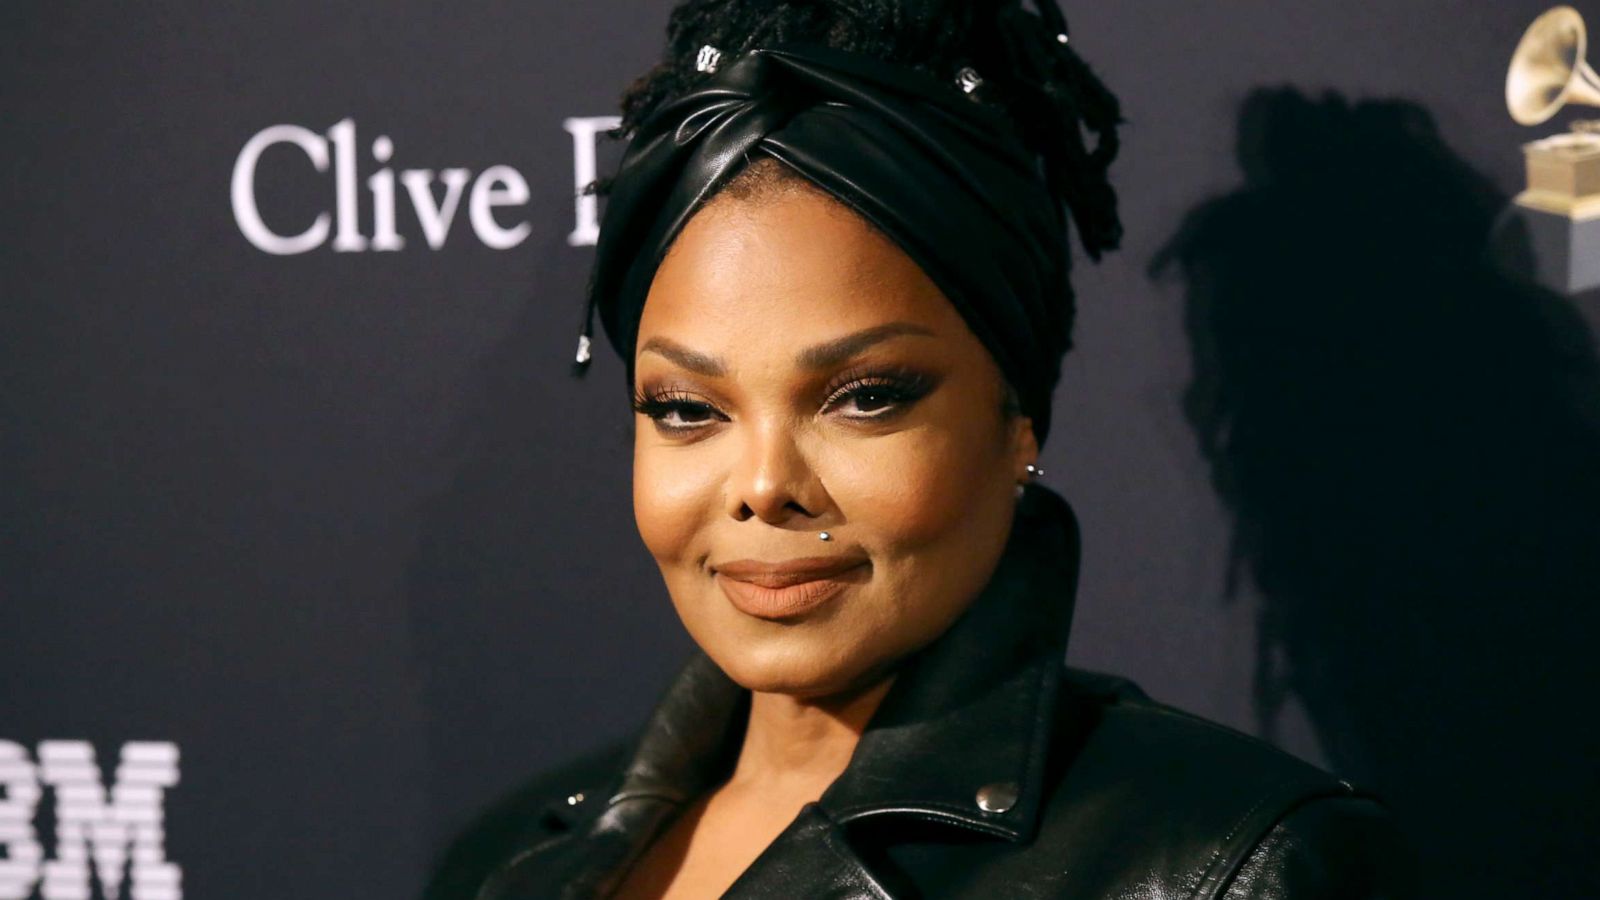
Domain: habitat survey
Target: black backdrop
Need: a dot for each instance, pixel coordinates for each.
(336, 527)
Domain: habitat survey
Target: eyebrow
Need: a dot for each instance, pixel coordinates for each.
(693, 360)
(821, 356)
(834, 352)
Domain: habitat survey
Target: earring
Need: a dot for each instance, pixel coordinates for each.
(1033, 472)
(824, 536)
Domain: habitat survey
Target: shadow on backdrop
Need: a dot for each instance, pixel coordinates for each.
(1406, 437)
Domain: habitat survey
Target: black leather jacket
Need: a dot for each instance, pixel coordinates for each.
(990, 771)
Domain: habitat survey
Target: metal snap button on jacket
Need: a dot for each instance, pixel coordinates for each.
(997, 797)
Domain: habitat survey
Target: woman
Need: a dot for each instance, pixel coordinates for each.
(834, 262)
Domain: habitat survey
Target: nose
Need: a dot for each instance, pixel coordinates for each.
(772, 480)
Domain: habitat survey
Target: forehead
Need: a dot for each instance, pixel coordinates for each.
(788, 266)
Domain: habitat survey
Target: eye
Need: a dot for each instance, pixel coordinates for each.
(675, 412)
(877, 395)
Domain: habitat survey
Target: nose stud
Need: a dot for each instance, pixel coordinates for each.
(824, 536)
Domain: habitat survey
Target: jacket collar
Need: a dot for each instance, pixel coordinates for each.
(969, 716)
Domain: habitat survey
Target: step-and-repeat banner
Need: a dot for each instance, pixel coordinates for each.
(312, 551)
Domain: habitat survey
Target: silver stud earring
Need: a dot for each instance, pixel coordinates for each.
(824, 536)
(967, 79)
(1033, 472)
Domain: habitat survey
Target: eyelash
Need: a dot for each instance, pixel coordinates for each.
(898, 388)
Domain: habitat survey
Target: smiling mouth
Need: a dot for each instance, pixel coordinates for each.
(788, 589)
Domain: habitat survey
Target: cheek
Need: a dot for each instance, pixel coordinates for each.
(918, 488)
(675, 494)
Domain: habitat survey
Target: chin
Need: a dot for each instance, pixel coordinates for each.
(799, 666)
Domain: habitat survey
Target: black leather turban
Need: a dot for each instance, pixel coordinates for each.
(945, 177)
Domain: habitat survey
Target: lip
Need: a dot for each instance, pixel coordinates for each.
(784, 590)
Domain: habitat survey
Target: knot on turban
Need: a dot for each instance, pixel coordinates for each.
(945, 177)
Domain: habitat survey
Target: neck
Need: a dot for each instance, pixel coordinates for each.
(794, 744)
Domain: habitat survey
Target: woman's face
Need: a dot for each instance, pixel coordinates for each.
(797, 373)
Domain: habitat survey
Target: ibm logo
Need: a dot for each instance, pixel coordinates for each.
(113, 838)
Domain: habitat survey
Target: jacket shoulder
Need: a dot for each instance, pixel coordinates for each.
(1184, 750)
(1336, 848)
(542, 806)
(1205, 802)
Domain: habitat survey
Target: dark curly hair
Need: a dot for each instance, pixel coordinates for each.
(1029, 72)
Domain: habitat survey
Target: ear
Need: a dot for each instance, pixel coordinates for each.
(1024, 447)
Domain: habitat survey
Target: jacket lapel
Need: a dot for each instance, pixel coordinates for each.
(687, 747)
(963, 735)
(811, 858)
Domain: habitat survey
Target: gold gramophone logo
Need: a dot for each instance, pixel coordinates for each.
(1547, 72)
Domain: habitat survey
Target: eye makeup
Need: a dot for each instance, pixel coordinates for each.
(863, 394)
(878, 392)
